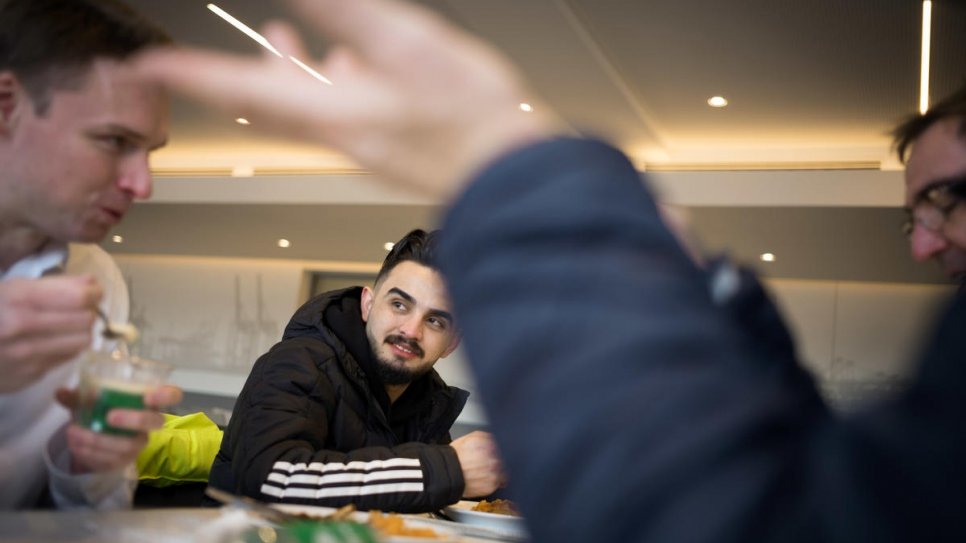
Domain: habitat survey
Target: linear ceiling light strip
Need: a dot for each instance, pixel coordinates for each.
(924, 71)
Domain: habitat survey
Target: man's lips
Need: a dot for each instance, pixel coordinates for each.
(402, 351)
(403, 347)
(115, 215)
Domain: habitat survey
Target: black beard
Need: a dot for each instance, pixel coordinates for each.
(393, 374)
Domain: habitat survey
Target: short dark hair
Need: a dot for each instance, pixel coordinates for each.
(908, 131)
(418, 246)
(51, 44)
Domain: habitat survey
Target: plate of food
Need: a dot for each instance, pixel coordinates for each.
(391, 527)
(497, 515)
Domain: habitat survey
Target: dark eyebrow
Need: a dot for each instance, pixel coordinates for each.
(434, 312)
(401, 294)
(134, 135)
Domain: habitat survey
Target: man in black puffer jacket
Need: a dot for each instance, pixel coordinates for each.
(347, 407)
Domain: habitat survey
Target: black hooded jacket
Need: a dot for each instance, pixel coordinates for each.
(313, 424)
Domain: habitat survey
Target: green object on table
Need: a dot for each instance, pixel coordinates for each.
(329, 532)
(95, 417)
(314, 531)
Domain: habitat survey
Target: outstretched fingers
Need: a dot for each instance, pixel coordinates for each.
(372, 29)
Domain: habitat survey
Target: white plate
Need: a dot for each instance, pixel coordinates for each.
(462, 511)
(443, 535)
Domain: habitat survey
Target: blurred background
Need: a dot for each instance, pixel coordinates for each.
(766, 121)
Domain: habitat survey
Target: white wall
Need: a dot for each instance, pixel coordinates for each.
(212, 317)
(861, 340)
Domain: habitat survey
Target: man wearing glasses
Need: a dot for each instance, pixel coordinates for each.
(934, 147)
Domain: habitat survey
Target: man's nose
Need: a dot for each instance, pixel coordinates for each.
(412, 327)
(135, 177)
(925, 244)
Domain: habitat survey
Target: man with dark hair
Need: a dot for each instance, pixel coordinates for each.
(347, 407)
(76, 127)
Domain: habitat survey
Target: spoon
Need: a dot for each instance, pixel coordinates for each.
(126, 332)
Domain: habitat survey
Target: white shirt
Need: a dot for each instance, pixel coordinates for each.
(32, 447)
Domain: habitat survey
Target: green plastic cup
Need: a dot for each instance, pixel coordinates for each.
(115, 381)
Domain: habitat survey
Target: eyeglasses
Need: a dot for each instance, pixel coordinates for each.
(933, 206)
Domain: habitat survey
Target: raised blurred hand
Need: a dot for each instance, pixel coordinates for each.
(43, 323)
(479, 458)
(92, 451)
(413, 98)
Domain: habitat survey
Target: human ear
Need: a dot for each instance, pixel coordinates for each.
(11, 96)
(452, 346)
(365, 303)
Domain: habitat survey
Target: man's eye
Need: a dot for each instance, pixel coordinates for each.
(115, 143)
(437, 323)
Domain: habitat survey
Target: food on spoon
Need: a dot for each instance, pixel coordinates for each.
(498, 507)
(126, 332)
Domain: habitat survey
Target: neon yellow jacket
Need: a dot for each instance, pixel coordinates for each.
(180, 452)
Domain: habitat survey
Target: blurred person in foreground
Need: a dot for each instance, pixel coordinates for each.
(629, 402)
(76, 127)
(347, 408)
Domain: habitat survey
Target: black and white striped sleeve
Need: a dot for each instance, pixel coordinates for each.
(317, 480)
(413, 477)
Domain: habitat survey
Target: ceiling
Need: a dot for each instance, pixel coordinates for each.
(813, 87)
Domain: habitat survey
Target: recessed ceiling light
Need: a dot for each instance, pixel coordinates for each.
(117, 239)
(284, 243)
(717, 101)
(767, 257)
(242, 120)
(526, 107)
(388, 245)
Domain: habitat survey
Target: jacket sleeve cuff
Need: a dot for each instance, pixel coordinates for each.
(454, 472)
(102, 490)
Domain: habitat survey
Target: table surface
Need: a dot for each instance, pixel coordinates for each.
(168, 525)
(82, 526)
